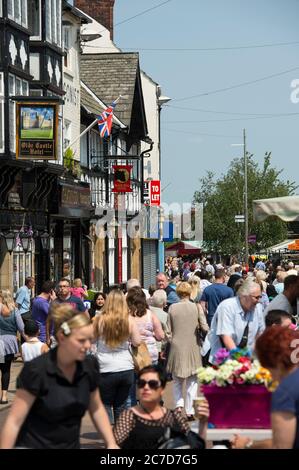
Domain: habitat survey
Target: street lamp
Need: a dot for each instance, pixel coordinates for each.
(9, 238)
(45, 240)
(245, 193)
(162, 100)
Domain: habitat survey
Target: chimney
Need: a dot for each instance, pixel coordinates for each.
(100, 10)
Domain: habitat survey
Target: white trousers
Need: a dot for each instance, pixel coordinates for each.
(191, 392)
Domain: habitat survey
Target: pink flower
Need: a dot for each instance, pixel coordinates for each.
(244, 360)
(240, 381)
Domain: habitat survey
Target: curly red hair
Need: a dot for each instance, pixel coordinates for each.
(275, 346)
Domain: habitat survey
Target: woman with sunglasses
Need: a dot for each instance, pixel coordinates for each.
(143, 426)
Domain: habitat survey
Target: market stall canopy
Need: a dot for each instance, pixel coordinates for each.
(183, 248)
(286, 208)
(282, 246)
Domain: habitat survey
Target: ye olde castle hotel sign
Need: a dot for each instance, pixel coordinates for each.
(37, 130)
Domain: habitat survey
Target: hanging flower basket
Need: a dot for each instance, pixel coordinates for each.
(237, 389)
(239, 406)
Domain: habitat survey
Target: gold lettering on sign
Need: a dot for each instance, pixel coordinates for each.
(75, 197)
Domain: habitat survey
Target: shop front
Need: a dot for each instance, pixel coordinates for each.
(70, 245)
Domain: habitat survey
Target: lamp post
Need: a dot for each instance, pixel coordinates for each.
(45, 240)
(10, 239)
(246, 255)
(161, 101)
(245, 196)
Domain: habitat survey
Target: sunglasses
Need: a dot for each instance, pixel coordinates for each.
(153, 384)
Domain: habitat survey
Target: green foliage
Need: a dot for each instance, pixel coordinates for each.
(71, 164)
(223, 198)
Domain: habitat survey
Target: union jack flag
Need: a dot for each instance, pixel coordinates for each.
(105, 120)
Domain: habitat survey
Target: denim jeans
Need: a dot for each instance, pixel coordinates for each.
(114, 390)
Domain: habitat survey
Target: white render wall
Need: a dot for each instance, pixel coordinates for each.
(71, 85)
(149, 89)
(101, 45)
(151, 165)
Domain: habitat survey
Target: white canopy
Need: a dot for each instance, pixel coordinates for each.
(286, 208)
(280, 246)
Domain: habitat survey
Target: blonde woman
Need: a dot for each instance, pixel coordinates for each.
(195, 289)
(184, 358)
(4, 308)
(261, 277)
(10, 323)
(55, 390)
(115, 330)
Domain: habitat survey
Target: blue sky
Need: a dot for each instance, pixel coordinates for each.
(187, 153)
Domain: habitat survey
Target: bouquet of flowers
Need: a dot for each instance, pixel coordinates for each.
(235, 367)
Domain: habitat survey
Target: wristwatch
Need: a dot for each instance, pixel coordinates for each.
(249, 444)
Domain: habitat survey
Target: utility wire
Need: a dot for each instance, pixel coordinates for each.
(201, 133)
(142, 12)
(223, 112)
(239, 85)
(135, 16)
(200, 49)
(233, 119)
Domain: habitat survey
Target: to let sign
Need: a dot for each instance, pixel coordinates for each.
(155, 193)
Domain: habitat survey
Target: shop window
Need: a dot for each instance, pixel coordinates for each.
(22, 267)
(66, 45)
(19, 87)
(53, 21)
(83, 148)
(34, 18)
(68, 255)
(35, 65)
(17, 11)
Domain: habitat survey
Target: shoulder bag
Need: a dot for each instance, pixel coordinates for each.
(141, 356)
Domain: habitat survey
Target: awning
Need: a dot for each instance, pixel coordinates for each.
(184, 248)
(285, 208)
(280, 246)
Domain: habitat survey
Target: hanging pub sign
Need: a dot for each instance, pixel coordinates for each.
(122, 178)
(36, 130)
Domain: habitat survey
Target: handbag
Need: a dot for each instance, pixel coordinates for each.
(200, 332)
(200, 335)
(141, 356)
(174, 439)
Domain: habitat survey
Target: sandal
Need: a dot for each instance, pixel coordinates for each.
(3, 402)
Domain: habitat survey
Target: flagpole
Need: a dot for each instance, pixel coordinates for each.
(81, 135)
(87, 128)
